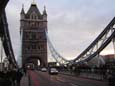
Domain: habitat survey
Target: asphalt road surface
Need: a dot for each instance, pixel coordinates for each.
(38, 78)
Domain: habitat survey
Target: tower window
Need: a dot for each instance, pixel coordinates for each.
(39, 47)
(33, 36)
(33, 16)
(33, 46)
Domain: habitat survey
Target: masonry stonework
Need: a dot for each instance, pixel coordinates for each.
(33, 25)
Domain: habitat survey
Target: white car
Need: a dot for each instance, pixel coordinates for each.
(43, 69)
(53, 71)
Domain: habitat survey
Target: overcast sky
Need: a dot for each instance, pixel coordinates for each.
(72, 24)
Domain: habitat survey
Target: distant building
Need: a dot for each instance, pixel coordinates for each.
(52, 64)
(109, 60)
(101, 60)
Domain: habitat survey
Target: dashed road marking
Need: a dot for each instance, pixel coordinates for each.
(61, 80)
(74, 84)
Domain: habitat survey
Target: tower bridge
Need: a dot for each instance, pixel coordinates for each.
(34, 41)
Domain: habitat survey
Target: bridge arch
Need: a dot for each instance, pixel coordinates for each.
(37, 61)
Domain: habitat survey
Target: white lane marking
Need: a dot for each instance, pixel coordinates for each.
(57, 78)
(74, 84)
(61, 80)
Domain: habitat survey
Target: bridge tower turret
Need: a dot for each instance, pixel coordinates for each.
(22, 14)
(34, 41)
(44, 14)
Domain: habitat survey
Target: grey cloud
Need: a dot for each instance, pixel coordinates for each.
(71, 26)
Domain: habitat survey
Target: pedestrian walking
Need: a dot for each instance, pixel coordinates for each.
(18, 77)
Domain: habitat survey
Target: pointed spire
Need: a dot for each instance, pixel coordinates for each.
(44, 12)
(33, 3)
(23, 6)
(22, 11)
(44, 7)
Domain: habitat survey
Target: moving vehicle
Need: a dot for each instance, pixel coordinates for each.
(30, 66)
(43, 69)
(53, 71)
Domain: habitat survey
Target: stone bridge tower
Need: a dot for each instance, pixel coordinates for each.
(33, 25)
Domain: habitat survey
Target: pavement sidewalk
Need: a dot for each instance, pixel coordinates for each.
(24, 81)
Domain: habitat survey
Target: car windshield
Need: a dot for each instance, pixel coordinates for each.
(53, 69)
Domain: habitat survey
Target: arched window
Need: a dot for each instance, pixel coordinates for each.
(33, 15)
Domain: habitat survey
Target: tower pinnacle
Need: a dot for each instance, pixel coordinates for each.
(23, 6)
(44, 12)
(33, 3)
(22, 11)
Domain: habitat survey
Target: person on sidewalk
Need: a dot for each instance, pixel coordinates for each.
(25, 70)
(112, 79)
(18, 77)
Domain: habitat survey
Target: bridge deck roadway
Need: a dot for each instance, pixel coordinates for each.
(38, 78)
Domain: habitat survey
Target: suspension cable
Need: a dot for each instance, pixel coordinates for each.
(59, 59)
